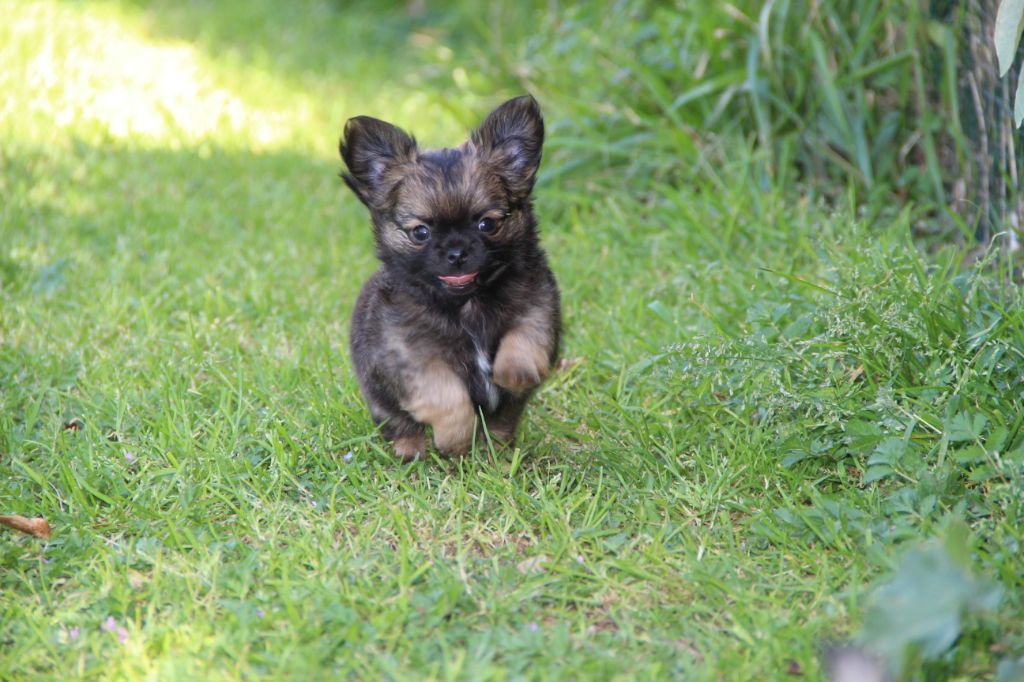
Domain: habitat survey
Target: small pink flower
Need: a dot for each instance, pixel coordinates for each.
(129, 457)
(109, 625)
(73, 633)
(122, 635)
(579, 558)
(533, 627)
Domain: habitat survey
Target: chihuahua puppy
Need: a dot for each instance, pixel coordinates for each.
(462, 319)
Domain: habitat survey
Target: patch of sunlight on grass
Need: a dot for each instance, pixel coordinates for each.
(93, 71)
(177, 76)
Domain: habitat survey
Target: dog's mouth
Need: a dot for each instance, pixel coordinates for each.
(458, 282)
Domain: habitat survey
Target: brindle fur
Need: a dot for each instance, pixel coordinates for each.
(427, 355)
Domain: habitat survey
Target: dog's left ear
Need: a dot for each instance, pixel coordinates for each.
(374, 151)
(510, 140)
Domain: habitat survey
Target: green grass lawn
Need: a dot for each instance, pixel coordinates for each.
(768, 400)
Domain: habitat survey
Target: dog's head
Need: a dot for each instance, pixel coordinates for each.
(450, 219)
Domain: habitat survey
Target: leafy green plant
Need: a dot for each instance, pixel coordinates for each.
(882, 362)
(932, 600)
(900, 377)
(838, 96)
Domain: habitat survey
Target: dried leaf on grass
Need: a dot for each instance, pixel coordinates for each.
(534, 564)
(567, 363)
(37, 527)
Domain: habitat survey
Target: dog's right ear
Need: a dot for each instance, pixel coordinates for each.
(511, 139)
(373, 150)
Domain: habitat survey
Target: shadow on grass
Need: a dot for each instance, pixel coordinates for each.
(89, 197)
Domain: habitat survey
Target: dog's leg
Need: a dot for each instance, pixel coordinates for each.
(439, 397)
(410, 448)
(523, 359)
(408, 437)
(501, 426)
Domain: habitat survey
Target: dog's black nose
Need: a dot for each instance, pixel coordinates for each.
(457, 255)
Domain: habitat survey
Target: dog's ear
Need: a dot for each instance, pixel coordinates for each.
(510, 140)
(373, 150)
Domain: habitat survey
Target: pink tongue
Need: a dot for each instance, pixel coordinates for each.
(458, 280)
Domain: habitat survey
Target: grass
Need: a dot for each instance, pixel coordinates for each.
(769, 399)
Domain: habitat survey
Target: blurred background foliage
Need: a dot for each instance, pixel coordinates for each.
(889, 101)
(894, 101)
(885, 102)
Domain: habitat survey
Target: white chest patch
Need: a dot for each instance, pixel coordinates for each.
(484, 365)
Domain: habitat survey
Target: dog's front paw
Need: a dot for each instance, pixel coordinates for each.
(520, 365)
(513, 374)
(410, 448)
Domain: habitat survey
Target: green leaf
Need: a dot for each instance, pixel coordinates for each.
(862, 434)
(924, 604)
(877, 473)
(983, 473)
(964, 427)
(997, 439)
(957, 542)
(797, 329)
(832, 104)
(661, 310)
(890, 451)
(794, 457)
(1018, 102)
(1009, 19)
(970, 455)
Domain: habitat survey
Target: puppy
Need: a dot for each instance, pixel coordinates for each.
(462, 319)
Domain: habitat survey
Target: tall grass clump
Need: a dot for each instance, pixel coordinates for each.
(867, 96)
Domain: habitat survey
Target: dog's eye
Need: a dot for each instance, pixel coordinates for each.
(487, 225)
(420, 234)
